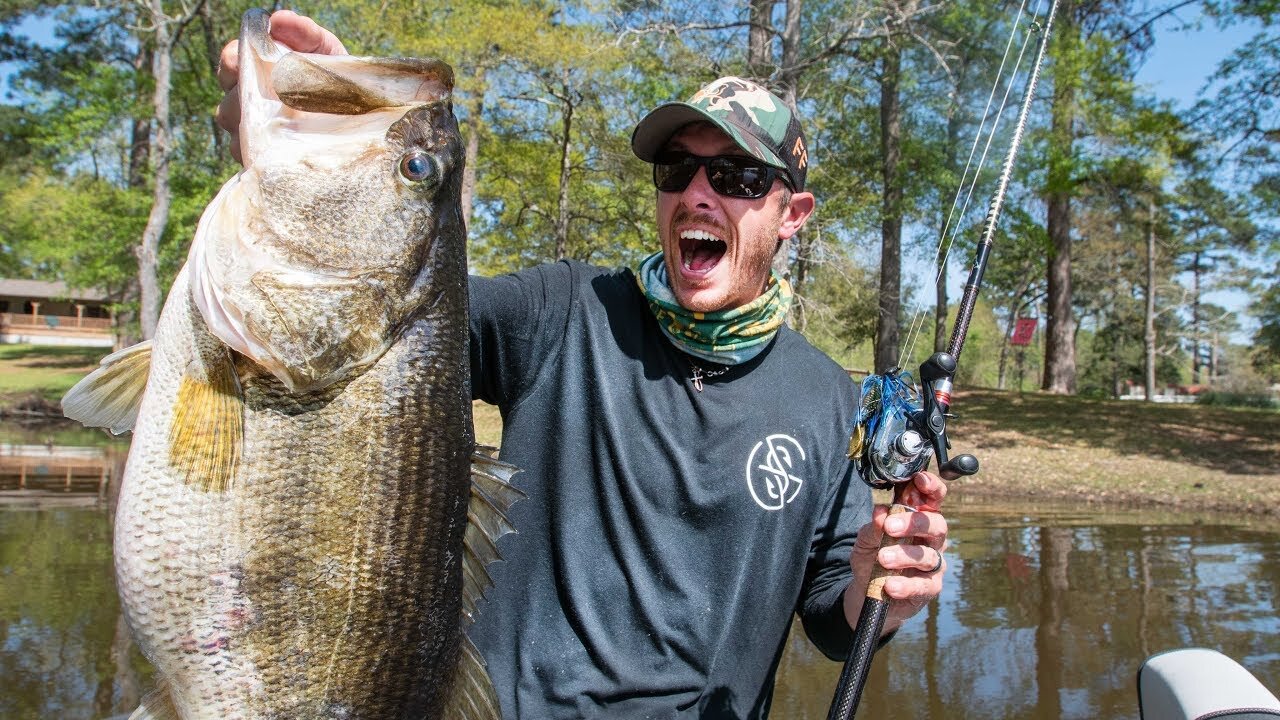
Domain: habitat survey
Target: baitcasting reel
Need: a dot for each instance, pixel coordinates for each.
(898, 431)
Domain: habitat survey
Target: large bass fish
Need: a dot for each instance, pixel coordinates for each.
(301, 532)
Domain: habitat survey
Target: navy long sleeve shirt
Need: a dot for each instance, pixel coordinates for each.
(669, 533)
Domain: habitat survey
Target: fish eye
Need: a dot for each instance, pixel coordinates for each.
(416, 167)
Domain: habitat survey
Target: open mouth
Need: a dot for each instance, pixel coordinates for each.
(700, 251)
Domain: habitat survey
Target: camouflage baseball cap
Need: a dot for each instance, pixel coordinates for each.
(757, 120)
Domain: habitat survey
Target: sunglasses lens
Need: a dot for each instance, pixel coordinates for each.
(673, 174)
(729, 175)
(739, 177)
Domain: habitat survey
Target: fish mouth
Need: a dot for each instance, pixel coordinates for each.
(701, 251)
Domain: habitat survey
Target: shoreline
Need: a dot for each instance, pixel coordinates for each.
(1204, 463)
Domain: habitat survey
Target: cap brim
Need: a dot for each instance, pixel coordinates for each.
(656, 128)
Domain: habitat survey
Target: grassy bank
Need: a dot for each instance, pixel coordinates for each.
(35, 377)
(1108, 451)
(1181, 457)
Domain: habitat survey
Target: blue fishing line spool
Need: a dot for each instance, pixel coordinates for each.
(885, 442)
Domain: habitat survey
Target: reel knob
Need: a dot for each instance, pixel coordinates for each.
(908, 446)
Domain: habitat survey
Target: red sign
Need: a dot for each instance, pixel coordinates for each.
(1023, 331)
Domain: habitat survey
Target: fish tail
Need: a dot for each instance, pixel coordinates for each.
(157, 705)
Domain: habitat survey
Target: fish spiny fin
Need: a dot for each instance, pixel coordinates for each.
(492, 495)
(157, 705)
(471, 695)
(109, 396)
(208, 426)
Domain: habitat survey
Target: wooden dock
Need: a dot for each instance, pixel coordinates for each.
(56, 469)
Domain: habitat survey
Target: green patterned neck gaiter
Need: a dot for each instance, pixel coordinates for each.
(728, 337)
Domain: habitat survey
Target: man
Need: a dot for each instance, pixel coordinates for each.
(682, 449)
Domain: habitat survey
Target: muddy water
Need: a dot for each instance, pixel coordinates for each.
(1047, 614)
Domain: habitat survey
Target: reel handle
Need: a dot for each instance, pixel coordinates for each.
(958, 467)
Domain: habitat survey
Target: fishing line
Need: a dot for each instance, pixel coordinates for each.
(949, 230)
(945, 242)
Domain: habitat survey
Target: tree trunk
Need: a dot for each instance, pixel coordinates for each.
(167, 31)
(148, 250)
(213, 55)
(759, 39)
(562, 215)
(940, 336)
(1115, 360)
(1004, 346)
(1149, 336)
(887, 336)
(1059, 347)
(140, 132)
(787, 80)
(1196, 364)
(799, 316)
(475, 110)
(1213, 359)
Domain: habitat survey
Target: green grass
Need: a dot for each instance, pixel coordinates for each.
(47, 371)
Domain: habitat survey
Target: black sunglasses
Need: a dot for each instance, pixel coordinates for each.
(730, 175)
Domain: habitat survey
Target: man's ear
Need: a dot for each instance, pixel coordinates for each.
(795, 214)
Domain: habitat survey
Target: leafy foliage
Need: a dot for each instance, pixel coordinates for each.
(547, 94)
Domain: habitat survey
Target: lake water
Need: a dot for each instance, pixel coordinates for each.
(1047, 614)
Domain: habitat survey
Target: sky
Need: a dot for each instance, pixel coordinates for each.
(1177, 67)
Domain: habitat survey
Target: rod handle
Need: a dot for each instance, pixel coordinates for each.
(866, 635)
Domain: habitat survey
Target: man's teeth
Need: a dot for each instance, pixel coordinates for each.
(700, 250)
(697, 235)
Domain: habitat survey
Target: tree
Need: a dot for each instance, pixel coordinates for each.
(168, 30)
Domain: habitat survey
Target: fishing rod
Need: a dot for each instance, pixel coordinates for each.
(896, 435)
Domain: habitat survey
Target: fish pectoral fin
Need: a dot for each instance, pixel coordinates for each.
(157, 705)
(492, 495)
(471, 695)
(207, 428)
(109, 396)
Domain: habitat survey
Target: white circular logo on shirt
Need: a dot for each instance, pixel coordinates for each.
(769, 468)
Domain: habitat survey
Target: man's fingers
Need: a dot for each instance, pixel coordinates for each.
(925, 491)
(931, 526)
(916, 590)
(229, 66)
(303, 34)
(911, 557)
(228, 114)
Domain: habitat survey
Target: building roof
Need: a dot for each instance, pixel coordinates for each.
(41, 290)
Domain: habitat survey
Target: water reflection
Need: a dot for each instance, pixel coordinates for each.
(62, 652)
(1047, 615)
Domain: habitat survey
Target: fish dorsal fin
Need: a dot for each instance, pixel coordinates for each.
(471, 695)
(109, 396)
(207, 428)
(492, 495)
